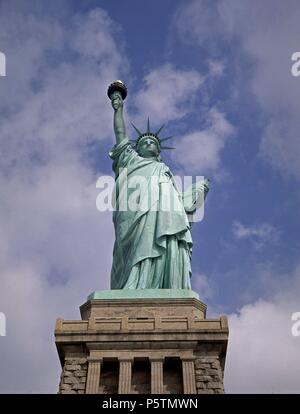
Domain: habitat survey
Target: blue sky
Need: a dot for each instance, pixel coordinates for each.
(219, 74)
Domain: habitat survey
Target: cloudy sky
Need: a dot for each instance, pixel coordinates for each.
(219, 74)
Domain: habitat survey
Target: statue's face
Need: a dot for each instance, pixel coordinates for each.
(116, 99)
(148, 148)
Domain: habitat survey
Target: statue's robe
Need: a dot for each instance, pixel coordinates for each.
(153, 245)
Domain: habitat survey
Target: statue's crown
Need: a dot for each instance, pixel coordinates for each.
(149, 134)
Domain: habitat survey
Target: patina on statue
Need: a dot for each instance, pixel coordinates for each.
(153, 246)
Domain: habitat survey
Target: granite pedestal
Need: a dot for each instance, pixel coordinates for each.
(148, 342)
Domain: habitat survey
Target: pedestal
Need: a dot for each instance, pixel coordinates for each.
(148, 342)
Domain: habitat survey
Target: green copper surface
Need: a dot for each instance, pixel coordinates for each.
(143, 294)
(153, 246)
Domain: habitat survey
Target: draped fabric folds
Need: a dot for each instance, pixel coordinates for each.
(153, 243)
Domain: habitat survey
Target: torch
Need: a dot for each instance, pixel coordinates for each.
(117, 85)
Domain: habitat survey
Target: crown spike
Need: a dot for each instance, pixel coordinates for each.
(165, 139)
(137, 130)
(148, 133)
(158, 131)
(148, 126)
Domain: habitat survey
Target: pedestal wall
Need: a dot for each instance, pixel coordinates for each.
(142, 345)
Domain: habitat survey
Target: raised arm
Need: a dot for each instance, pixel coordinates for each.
(119, 124)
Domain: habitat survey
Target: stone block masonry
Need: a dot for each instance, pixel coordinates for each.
(144, 345)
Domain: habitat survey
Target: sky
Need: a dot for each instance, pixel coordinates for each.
(219, 75)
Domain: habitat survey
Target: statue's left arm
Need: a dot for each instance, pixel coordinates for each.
(195, 195)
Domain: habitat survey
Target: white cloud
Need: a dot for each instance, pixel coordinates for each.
(263, 354)
(216, 67)
(167, 94)
(201, 150)
(259, 234)
(56, 106)
(201, 285)
(55, 255)
(266, 35)
(280, 144)
(198, 20)
(272, 83)
(55, 246)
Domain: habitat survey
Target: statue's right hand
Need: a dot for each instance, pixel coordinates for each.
(116, 100)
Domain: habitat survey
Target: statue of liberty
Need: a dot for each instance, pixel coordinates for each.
(153, 244)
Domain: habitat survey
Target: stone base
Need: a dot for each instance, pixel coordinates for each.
(143, 294)
(142, 345)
